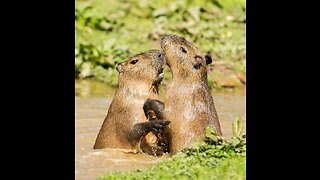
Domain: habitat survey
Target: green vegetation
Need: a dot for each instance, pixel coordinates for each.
(108, 32)
(212, 158)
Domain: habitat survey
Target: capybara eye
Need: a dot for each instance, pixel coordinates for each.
(134, 61)
(183, 50)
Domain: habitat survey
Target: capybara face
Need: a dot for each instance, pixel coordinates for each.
(182, 55)
(144, 66)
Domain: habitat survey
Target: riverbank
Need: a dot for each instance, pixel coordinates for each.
(108, 32)
(213, 158)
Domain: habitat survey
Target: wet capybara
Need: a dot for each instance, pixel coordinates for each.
(188, 101)
(126, 122)
(156, 141)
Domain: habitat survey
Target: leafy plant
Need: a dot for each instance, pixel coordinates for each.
(109, 32)
(214, 158)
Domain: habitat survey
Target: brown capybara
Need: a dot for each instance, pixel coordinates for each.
(126, 122)
(156, 141)
(188, 102)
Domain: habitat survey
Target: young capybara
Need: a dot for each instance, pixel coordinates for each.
(156, 141)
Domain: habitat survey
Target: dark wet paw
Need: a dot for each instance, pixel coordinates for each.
(156, 125)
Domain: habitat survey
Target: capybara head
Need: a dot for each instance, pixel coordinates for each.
(184, 58)
(147, 66)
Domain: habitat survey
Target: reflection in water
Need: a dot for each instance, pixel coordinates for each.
(91, 88)
(92, 102)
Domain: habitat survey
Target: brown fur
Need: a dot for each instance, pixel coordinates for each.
(188, 101)
(137, 82)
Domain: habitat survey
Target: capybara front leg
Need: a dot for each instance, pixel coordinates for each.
(142, 129)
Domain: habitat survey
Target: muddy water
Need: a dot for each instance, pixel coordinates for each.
(92, 102)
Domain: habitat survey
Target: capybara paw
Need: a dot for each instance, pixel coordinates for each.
(156, 125)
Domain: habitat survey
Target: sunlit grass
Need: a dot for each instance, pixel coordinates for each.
(213, 158)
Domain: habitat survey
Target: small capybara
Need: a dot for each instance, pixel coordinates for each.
(156, 141)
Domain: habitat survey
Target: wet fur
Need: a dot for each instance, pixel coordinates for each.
(126, 122)
(189, 104)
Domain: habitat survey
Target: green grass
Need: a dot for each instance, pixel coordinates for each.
(228, 168)
(108, 32)
(212, 158)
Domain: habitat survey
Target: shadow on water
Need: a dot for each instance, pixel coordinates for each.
(92, 102)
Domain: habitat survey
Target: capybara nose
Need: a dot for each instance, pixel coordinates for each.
(198, 59)
(164, 39)
(162, 58)
(119, 68)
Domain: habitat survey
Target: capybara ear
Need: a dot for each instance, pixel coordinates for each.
(208, 59)
(119, 68)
